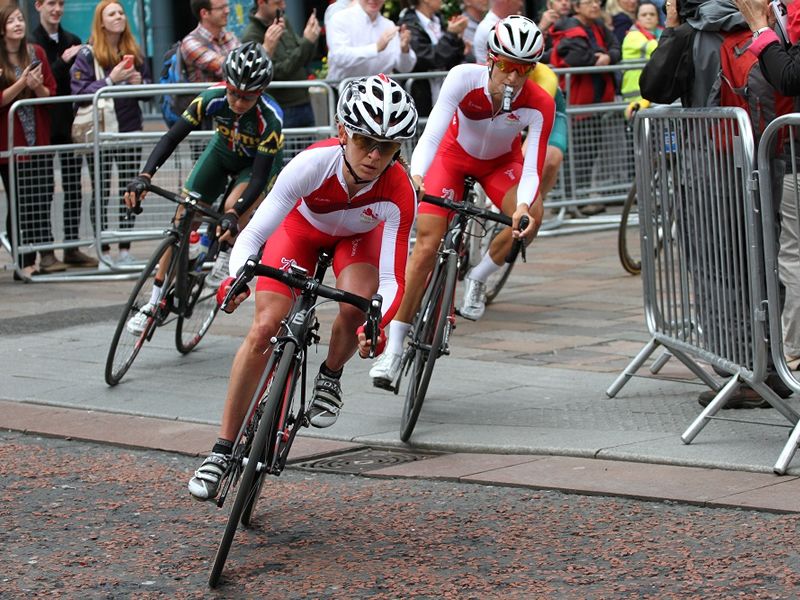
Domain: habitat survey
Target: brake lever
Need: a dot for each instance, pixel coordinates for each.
(136, 210)
(518, 246)
(240, 283)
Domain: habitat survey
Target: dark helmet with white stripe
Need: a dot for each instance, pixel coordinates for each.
(248, 68)
(378, 107)
(516, 38)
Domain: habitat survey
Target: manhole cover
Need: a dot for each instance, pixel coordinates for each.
(359, 461)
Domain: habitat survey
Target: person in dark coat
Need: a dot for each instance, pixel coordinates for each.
(61, 46)
(439, 46)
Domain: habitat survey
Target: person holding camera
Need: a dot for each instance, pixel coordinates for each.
(291, 56)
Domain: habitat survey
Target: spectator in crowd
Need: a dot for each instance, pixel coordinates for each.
(334, 8)
(639, 44)
(474, 10)
(362, 42)
(623, 16)
(290, 54)
(61, 46)
(205, 47)
(439, 46)
(556, 9)
(500, 9)
(583, 40)
(111, 40)
(20, 78)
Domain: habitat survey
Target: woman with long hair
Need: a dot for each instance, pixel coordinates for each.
(120, 62)
(25, 73)
(639, 44)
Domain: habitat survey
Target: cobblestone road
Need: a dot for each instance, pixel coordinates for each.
(90, 521)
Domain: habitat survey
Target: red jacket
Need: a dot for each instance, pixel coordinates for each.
(41, 112)
(572, 48)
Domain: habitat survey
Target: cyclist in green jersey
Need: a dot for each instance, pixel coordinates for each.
(246, 146)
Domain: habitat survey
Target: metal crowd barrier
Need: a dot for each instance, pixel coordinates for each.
(703, 254)
(106, 165)
(779, 188)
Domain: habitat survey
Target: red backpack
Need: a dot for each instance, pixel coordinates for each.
(743, 84)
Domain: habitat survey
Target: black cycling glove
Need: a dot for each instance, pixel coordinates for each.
(229, 222)
(138, 185)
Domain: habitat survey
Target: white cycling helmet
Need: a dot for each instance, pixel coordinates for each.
(377, 107)
(517, 38)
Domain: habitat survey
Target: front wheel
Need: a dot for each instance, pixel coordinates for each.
(125, 345)
(427, 341)
(255, 470)
(201, 308)
(628, 236)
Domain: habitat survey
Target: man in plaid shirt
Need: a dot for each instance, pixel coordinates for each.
(204, 49)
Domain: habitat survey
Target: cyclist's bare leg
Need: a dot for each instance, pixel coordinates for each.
(552, 165)
(430, 229)
(250, 359)
(357, 278)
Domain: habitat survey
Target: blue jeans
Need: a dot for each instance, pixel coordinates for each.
(298, 116)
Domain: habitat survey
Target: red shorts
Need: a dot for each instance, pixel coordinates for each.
(296, 242)
(446, 174)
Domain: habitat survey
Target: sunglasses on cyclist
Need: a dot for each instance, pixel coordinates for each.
(368, 144)
(508, 66)
(246, 96)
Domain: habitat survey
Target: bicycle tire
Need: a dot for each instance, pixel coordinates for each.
(439, 305)
(201, 309)
(249, 481)
(125, 346)
(629, 263)
(289, 388)
(495, 281)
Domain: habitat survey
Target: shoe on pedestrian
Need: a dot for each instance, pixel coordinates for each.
(106, 263)
(73, 257)
(745, 397)
(48, 263)
(204, 485)
(138, 322)
(474, 303)
(589, 210)
(219, 272)
(26, 274)
(385, 370)
(327, 401)
(125, 259)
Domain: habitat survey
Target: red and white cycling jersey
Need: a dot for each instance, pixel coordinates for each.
(463, 125)
(313, 185)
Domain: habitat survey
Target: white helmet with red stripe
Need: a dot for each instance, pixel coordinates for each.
(516, 38)
(377, 107)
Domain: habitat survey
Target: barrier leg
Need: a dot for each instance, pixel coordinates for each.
(709, 411)
(659, 363)
(631, 369)
(788, 451)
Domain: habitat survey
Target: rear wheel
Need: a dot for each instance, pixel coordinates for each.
(125, 346)
(251, 479)
(495, 281)
(427, 340)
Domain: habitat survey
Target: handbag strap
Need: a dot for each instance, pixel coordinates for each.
(99, 73)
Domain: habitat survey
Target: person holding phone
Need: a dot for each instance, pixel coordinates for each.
(122, 63)
(291, 56)
(26, 74)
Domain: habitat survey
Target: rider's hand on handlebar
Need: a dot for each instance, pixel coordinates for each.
(228, 227)
(136, 190)
(364, 344)
(419, 185)
(223, 290)
(527, 233)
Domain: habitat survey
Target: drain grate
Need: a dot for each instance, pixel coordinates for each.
(363, 460)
